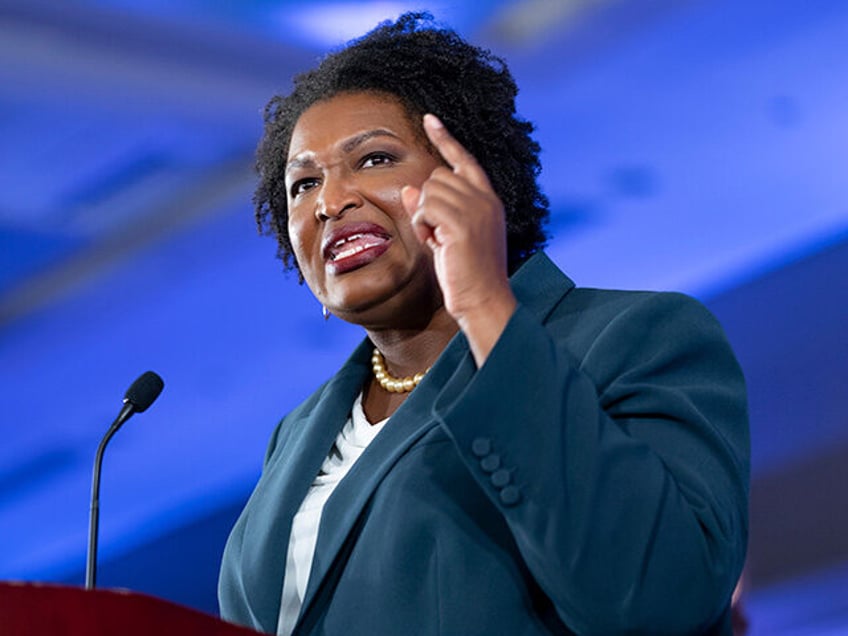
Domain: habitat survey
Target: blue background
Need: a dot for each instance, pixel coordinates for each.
(688, 145)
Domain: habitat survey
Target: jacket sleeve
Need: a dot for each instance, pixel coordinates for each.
(618, 456)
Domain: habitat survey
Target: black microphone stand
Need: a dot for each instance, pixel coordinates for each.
(94, 512)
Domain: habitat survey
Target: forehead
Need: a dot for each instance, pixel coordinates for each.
(329, 123)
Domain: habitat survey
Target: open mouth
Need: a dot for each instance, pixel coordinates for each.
(354, 246)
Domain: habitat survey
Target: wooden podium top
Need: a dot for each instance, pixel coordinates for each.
(32, 609)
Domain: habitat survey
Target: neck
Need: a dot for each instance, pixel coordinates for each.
(410, 351)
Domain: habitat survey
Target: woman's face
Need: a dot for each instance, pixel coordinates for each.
(349, 158)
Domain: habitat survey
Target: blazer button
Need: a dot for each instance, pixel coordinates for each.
(490, 463)
(481, 446)
(510, 496)
(500, 478)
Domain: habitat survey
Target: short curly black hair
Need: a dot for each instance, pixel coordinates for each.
(429, 69)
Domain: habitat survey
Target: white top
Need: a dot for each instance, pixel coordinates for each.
(353, 439)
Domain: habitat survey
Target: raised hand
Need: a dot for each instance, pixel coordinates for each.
(458, 215)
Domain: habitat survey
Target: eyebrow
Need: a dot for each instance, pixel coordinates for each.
(349, 146)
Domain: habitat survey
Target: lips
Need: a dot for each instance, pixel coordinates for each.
(352, 246)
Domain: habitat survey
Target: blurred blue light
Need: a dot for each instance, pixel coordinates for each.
(331, 24)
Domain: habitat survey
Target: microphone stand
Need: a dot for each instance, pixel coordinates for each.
(94, 512)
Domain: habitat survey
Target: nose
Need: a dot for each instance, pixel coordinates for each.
(338, 195)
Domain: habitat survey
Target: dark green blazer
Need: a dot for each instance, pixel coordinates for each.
(590, 478)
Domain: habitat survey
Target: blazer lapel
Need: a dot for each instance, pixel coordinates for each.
(289, 477)
(539, 285)
(407, 425)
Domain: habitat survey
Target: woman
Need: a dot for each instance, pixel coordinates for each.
(556, 460)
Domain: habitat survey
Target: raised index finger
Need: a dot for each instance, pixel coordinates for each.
(458, 158)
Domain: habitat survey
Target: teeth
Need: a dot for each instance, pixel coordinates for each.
(355, 250)
(344, 240)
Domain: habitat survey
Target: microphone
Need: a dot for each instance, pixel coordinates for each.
(141, 394)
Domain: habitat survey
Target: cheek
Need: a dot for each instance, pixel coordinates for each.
(298, 236)
(304, 254)
(386, 196)
(381, 191)
(300, 232)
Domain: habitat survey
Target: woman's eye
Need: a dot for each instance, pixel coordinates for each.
(302, 185)
(376, 159)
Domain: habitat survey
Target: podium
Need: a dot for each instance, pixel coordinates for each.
(31, 609)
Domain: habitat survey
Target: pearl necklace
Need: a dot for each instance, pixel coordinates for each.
(391, 383)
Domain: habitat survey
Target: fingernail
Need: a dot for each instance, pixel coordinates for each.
(433, 121)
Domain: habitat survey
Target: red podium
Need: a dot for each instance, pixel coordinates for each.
(28, 609)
